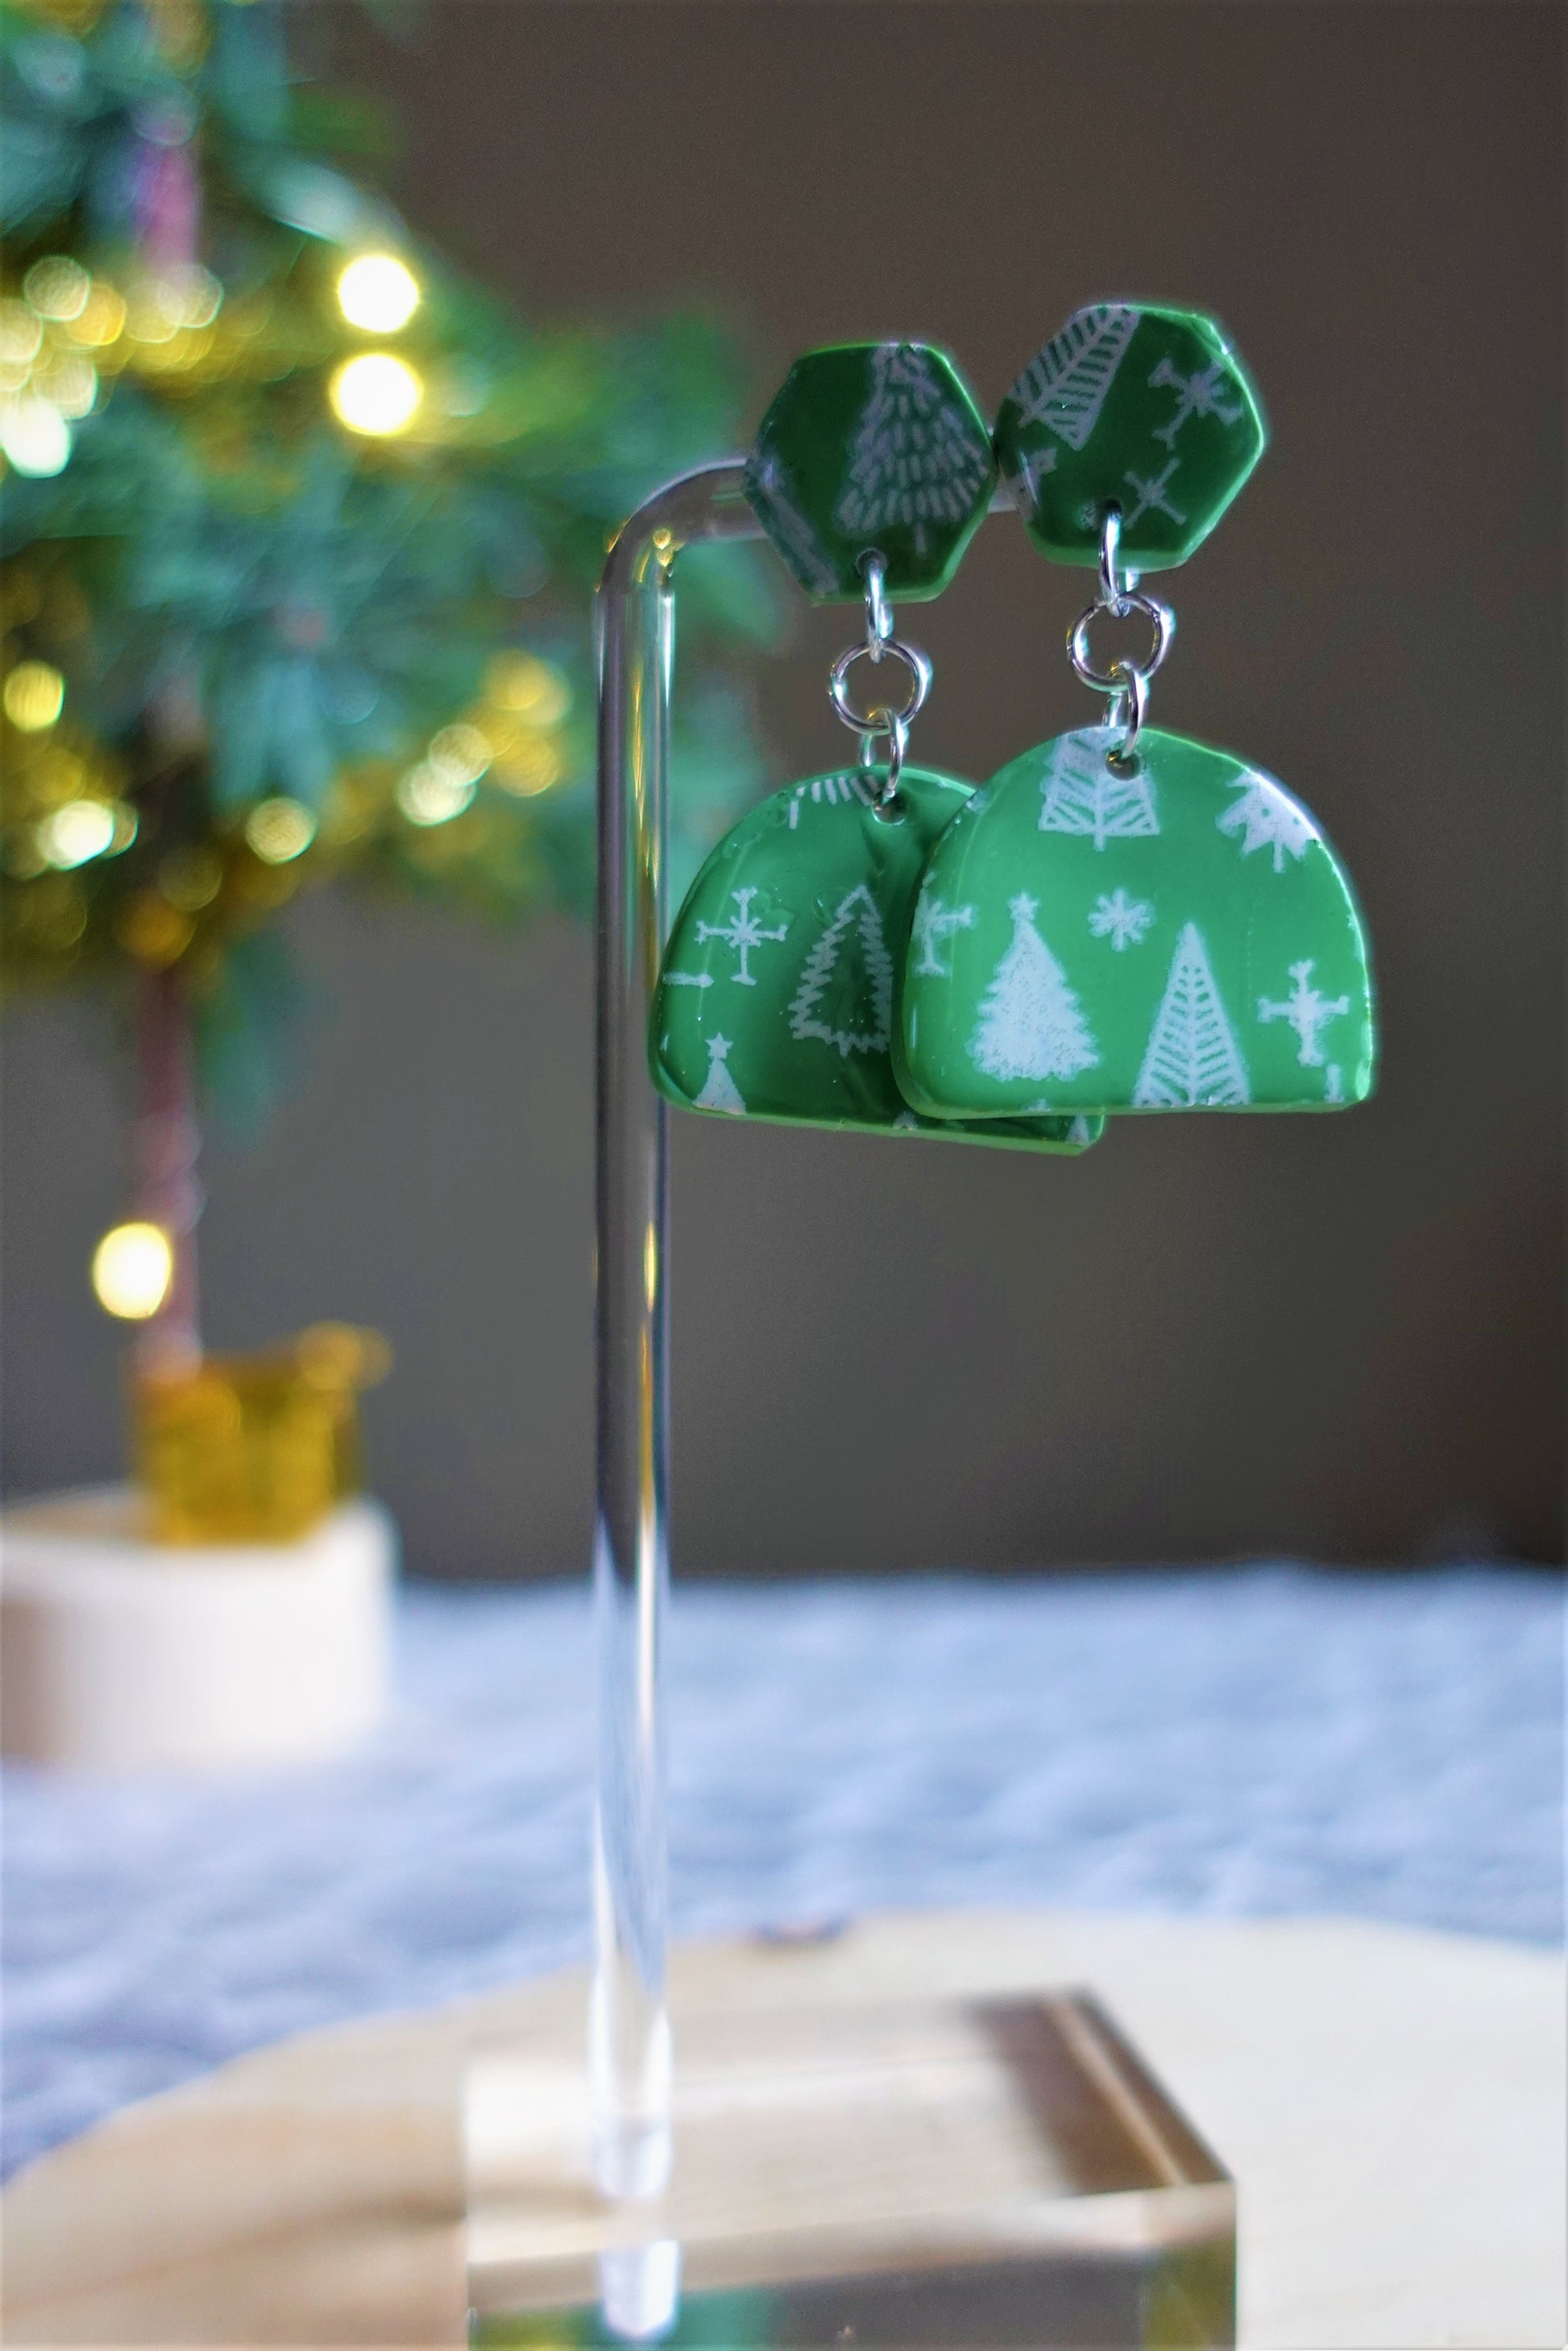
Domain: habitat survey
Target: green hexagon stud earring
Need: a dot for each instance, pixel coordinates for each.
(1136, 403)
(872, 448)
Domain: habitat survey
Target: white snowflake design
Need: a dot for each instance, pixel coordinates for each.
(743, 932)
(1121, 919)
(934, 922)
(1308, 1012)
(1151, 495)
(1197, 395)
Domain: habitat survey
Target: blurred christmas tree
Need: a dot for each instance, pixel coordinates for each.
(298, 534)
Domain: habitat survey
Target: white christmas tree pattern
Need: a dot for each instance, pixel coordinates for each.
(829, 791)
(1121, 919)
(1266, 818)
(1197, 395)
(1083, 792)
(719, 1091)
(1308, 1012)
(744, 931)
(917, 458)
(1064, 386)
(846, 993)
(1031, 1023)
(1193, 1061)
(1078, 1128)
(934, 922)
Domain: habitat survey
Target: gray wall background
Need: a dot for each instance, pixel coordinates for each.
(1338, 1336)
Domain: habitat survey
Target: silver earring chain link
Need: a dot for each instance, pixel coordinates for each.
(1125, 682)
(884, 719)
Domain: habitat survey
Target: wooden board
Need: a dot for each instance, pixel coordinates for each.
(1391, 2103)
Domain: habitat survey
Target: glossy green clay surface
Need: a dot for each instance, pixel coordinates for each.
(778, 994)
(1149, 409)
(872, 447)
(1178, 938)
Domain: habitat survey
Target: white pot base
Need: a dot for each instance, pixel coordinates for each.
(117, 1653)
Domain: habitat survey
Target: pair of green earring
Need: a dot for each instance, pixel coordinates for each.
(1120, 919)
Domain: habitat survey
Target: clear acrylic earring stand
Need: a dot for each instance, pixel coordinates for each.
(1081, 2199)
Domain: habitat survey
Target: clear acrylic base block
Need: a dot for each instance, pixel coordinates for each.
(996, 2172)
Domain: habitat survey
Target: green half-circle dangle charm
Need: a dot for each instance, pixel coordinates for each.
(777, 996)
(1166, 932)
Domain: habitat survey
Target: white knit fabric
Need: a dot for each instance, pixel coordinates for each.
(1265, 1739)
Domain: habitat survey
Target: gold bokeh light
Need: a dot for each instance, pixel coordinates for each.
(102, 318)
(431, 795)
(21, 334)
(279, 829)
(76, 834)
(378, 293)
(461, 752)
(57, 287)
(35, 436)
(71, 383)
(376, 393)
(522, 684)
(33, 696)
(132, 1268)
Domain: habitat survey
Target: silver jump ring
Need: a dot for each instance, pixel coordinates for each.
(885, 789)
(1160, 618)
(1128, 703)
(878, 612)
(881, 720)
(1115, 586)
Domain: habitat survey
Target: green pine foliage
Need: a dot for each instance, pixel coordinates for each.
(247, 649)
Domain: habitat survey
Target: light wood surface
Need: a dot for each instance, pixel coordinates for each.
(1391, 2103)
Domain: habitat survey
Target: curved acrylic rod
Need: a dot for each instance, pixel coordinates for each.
(628, 2037)
(628, 2032)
